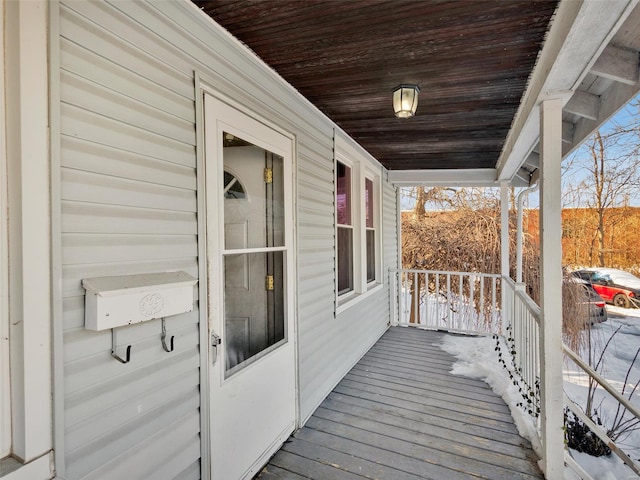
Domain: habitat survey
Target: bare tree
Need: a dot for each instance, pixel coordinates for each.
(606, 174)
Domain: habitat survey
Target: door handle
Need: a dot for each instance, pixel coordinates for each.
(215, 342)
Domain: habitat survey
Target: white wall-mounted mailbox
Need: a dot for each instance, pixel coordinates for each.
(112, 302)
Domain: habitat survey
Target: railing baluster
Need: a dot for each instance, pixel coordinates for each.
(449, 301)
(437, 297)
(416, 300)
(494, 320)
(471, 292)
(460, 299)
(427, 304)
(481, 318)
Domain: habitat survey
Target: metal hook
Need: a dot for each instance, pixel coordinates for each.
(113, 349)
(164, 336)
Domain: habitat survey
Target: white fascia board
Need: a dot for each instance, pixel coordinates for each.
(580, 32)
(476, 177)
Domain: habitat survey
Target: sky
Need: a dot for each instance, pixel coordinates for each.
(574, 171)
(477, 359)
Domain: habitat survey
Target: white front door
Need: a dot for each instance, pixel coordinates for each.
(250, 281)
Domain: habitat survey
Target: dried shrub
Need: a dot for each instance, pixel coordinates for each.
(575, 314)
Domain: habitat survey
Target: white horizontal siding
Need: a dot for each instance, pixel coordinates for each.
(85, 156)
(172, 423)
(391, 236)
(92, 25)
(330, 346)
(390, 225)
(80, 217)
(130, 205)
(111, 248)
(98, 128)
(107, 73)
(122, 108)
(99, 188)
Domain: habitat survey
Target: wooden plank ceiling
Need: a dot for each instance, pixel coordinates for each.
(471, 59)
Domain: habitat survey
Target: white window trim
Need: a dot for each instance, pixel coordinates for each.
(27, 143)
(362, 166)
(5, 383)
(374, 176)
(355, 216)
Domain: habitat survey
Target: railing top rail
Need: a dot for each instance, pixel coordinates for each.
(444, 272)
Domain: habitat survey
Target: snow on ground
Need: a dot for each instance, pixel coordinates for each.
(477, 359)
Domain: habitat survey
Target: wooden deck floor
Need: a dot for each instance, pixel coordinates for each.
(400, 415)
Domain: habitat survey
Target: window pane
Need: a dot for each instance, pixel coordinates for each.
(254, 203)
(345, 260)
(368, 200)
(343, 194)
(371, 255)
(253, 305)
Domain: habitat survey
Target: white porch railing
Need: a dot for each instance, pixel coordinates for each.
(460, 302)
(477, 303)
(522, 332)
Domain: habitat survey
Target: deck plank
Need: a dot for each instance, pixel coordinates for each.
(429, 425)
(400, 414)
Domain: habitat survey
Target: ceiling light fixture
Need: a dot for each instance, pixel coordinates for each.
(405, 100)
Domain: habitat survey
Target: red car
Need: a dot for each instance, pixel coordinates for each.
(615, 286)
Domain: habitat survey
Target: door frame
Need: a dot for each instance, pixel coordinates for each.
(205, 86)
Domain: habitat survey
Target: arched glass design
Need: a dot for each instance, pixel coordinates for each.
(232, 187)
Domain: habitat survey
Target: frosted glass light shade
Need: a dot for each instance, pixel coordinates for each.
(405, 100)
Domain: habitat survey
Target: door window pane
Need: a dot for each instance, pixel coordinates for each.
(254, 296)
(253, 305)
(253, 188)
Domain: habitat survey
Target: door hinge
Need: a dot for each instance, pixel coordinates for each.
(268, 175)
(269, 282)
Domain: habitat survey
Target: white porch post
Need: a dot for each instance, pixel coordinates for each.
(28, 173)
(504, 237)
(551, 288)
